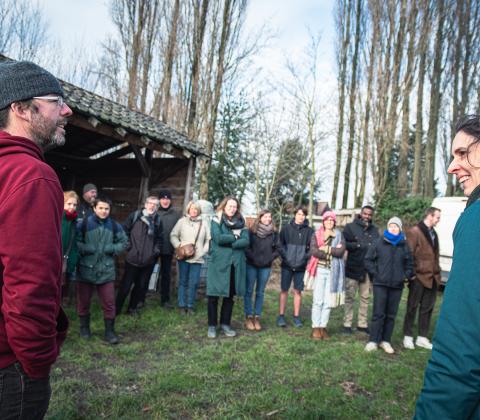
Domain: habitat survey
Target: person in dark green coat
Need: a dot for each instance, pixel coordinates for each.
(69, 245)
(99, 240)
(451, 387)
(227, 270)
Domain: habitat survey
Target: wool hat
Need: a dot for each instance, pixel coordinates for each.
(89, 187)
(329, 214)
(22, 80)
(396, 221)
(165, 194)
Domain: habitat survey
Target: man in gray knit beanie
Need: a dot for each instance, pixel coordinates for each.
(33, 325)
(31, 103)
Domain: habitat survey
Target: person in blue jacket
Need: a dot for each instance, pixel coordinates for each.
(451, 388)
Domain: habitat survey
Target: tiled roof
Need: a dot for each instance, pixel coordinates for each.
(113, 113)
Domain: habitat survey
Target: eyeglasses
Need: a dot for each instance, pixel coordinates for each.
(58, 99)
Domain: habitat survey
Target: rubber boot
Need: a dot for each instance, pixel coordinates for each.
(110, 336)
(85, 327)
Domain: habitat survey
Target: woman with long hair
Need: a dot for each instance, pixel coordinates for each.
(260, 255)
(227, 265)
(327, 267)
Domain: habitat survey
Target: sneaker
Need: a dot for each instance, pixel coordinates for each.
(281, 321)
(228, 331)
(423, 342)
(363, 329)
(386, 346)
(347, 330)
(371, 346)
(212, 332)
(297, 321)
(408, 342)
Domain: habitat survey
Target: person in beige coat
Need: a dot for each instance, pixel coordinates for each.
(190, 230)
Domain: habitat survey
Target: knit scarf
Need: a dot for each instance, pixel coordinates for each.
(393, 239)
(148, 219)
(70, 215)
(264, 230)
(235, 223)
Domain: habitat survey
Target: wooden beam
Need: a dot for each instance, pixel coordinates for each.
(144, 166)
(118, 153)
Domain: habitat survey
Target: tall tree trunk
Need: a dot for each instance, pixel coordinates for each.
(353, 95)
(169, 59)
(199, 34)
(435, 99)
(343, 28)
(210, 141)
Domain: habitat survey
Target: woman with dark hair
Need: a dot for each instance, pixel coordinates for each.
(328, 269)
(260, 255)
(452, 378)
(227, 265)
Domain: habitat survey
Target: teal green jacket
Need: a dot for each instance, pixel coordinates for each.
(98, 243)
(225, 251)
(68, 230)
(451, 388)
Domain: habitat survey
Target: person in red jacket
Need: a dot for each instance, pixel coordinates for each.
(33, 326)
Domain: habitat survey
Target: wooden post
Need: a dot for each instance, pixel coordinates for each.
(189, 183)
(146, 166)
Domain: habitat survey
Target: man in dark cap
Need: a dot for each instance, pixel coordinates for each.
(89, 194)
(33, 116)
(169, 218)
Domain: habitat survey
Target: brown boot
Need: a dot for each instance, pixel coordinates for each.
(317, 333)
(257, 324)
(249, 324)
(325, 336)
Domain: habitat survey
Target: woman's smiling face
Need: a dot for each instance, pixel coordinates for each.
(465, 164)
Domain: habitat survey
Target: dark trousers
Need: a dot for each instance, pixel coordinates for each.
(419, 295)
(385, 308)
(227, 305)
(139, 278)
(106, 293)
(165, 276)
(22, 397)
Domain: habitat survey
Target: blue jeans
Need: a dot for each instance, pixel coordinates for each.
(22, 397)
(260, 276)
(189, 277)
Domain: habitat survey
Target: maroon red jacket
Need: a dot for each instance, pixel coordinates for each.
(32, 323)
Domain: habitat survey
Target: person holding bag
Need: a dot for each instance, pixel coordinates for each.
(226, 274)
(190, 238)
(327, 268)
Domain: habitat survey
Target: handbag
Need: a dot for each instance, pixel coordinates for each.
(184, 252)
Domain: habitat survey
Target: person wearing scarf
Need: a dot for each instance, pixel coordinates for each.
(145, 234)
(260, 255)
(69, 245)
(190, 229)
(326, 265)
(389, 262)
(226, 276)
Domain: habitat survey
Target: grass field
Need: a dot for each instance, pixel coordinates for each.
(166, 367)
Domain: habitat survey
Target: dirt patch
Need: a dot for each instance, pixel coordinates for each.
(351, 389)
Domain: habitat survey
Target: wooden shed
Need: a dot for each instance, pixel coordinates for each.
(125, 153)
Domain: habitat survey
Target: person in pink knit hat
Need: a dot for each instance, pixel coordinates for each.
(327, 268)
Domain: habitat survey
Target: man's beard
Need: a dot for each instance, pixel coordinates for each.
(44, 132)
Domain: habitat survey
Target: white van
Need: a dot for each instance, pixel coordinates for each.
(452, 208)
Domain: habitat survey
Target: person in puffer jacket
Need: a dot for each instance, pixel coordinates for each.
(389, 263)
(294, 248)
(99, 240)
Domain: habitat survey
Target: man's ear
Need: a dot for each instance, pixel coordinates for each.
(21, 110)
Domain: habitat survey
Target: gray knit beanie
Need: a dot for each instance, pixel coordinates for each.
(22, 80)
(89, 187)
(396, 221)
